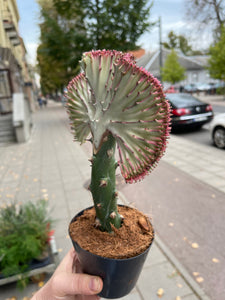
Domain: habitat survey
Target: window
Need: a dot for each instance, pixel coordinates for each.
(5, 90)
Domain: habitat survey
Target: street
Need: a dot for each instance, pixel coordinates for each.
(52, 167)
(188, 214)
(189, 217)
(201, 136)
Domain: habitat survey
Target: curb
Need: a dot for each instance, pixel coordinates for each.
(197, 290)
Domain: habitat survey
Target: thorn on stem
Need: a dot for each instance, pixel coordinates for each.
(116, 194)
(97, 223)
(105, 139)
(103, 182)
(91, 159)
(113, 215)
(110, 153)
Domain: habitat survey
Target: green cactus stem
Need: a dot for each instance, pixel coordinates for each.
(103, 185)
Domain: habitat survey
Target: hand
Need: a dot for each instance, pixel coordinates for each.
(65, 284)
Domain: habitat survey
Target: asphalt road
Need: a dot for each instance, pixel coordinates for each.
(189, 217)
(218, 108)
(201, 136)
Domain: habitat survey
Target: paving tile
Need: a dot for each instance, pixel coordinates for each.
(162, 276)
(60, 214)
(190, 297)
(134, 295)
(63, 245)
(202, 174)
(61, 228)
(222, 188)
(155, 256)
(10, 290)
(215, 181)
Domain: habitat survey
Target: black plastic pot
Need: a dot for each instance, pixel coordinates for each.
(119, 275)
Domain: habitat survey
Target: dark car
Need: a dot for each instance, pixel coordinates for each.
(190, 88)
(188, 111)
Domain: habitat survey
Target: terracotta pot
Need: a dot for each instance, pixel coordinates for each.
(119, 275)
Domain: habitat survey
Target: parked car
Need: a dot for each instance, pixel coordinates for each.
(188, 111)
(217, 131)
(203, 87)
(190, 88)
(170, 89)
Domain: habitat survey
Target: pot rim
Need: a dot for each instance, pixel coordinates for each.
(108, 258)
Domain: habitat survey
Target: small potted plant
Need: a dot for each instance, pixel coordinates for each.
(25, 230)
(113, 102)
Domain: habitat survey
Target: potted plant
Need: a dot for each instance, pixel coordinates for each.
(114, 102)
(25, 230)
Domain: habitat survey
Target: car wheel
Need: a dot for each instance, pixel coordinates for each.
(219, 137)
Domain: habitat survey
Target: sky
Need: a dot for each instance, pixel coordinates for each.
(172, 13)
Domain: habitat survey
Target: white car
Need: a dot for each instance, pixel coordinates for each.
(217, 130)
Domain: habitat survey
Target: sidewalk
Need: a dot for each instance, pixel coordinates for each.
(53, 167)
(212, 99)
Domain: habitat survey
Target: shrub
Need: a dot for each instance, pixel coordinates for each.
(24, 233)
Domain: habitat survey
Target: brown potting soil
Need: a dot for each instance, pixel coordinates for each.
(132, 238)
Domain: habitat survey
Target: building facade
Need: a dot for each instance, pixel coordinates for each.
(15, 76)
(195, 66)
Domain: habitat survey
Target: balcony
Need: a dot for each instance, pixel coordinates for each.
(10, 28)
(8, 20)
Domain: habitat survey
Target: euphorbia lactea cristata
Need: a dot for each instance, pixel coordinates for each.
(117, 103)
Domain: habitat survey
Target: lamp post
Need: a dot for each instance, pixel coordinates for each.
(160, 49)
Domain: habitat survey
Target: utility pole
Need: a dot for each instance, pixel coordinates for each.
(160, 49)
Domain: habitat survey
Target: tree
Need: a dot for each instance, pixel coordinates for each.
(217, 58)
(111, 24)
(209, 13)
(172, 71)
(172, 41)
(178, 42)
(63, 39)
(72, 27)
(184, 46)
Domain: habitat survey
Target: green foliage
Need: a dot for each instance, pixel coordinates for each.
(185, 48)
(109, 24)
(180, 42)
(220, 91)
(69, 28)
(172, 41)
(62, 42)
(23, 235)
(217, 58)
(172, 71)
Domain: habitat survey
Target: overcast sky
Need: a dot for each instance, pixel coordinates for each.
(172, 13)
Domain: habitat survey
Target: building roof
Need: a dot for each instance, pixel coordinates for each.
(137, 53)
(150, 61)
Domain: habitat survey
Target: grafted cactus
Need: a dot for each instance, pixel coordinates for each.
(114, 102)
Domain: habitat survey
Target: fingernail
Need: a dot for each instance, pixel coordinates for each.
(94, 285)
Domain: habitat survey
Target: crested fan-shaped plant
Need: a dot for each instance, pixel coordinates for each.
(115, 102)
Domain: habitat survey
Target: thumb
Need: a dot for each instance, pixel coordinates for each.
(65, 284)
